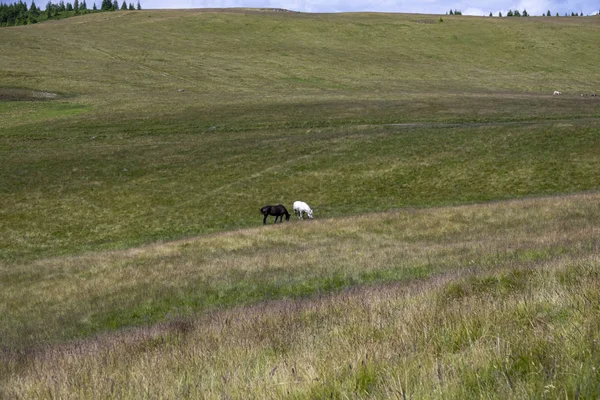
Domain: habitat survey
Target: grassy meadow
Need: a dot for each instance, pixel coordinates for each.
(496, 300)
(454, 251)
(277, 107)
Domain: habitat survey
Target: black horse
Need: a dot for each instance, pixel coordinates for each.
(278, 211)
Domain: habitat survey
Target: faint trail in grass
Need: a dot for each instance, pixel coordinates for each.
(143, 66)
(406, 125)
(260, 173)
(487, 124)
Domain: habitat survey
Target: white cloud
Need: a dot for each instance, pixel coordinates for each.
(474, 11)
(468, 7)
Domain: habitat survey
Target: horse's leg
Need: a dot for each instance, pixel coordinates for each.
(265, 220)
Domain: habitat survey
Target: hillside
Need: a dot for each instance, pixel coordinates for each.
(107, 151)
(454, 250)
(240, 54)
(497, 300)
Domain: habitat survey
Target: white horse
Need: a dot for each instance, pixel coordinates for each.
(300, 208)
(556, 93)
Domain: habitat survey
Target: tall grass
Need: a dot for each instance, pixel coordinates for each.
(67, 297)
(521, 329)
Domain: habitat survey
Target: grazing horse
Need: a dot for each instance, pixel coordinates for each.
(556, 93)
(300, 208)
(278, 211)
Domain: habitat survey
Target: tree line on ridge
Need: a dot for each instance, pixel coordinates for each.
(14, 14)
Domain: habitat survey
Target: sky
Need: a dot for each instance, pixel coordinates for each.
(467, 7)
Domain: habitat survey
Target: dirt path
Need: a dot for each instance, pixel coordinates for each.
(563, 122)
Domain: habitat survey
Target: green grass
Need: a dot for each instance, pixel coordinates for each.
(73, 192)
(279, 107)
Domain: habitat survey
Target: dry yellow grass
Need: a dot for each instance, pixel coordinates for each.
(507, 333)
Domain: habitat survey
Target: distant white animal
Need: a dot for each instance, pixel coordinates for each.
(300, 208)
(556, 92)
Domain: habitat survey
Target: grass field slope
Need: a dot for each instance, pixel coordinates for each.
(497, 300)
(454, 250)
(104, 151)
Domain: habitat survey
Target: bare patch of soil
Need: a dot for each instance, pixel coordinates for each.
(14, 94)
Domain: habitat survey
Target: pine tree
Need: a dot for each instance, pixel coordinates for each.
(115, 5)
(124, 5)
(106, 5)
(451, 12)
(131, 7)
(525, 13)
(21, 10)
(500, 14)
(510, 13)
(33, 10)
(491, 14)
(139, 6)
(94, 8)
